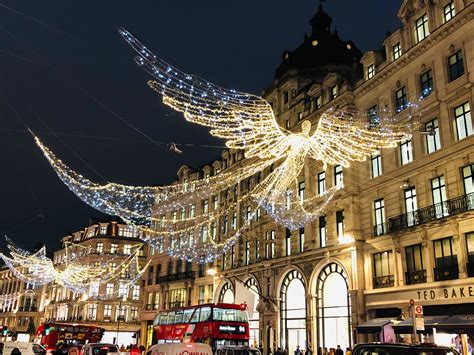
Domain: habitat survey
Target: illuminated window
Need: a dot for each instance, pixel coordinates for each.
(340, 224)
(338, 175)
(382, 263)
(433, 139)
(370, 71)
(99, 247)
(136, 292)
(396, 51)
(109, 289)
(410, 205)
(468, 179)
(247, 253)
(127, 249)
(334, 92)
(300, 116)
(301, 188)
(321, 183)
(322, 231)
(379, 217)
(113, 248)
(192, 211)
(92, 312)
(123, 290)
(288, 241)
(234, 220)
(373, 117)
(317, 103)
(107, 311)
(376, 164)
(438, 192)
(103, 230)
(463, 119)
(134, 313)
(406, 152)
(449, 11)
(421, 28)
(301, 235)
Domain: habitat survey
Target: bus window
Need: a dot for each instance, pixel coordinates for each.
(195, 317)
(163, 319)
(205, 314)
(156, 321)
(188, 313)
(170, 318)
(179, 317)
(229, 315)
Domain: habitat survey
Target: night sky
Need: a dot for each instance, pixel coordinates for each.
(65, 69)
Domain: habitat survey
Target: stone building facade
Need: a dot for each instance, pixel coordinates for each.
(400, 229)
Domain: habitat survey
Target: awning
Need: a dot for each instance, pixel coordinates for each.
(374, 325)
(406, 326)
(459, 323)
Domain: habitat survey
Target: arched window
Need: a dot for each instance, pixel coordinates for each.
(254, 320)
(227, 293)
(334, 308)
(293, 312)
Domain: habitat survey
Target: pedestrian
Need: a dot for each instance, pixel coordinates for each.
(279, 351)
(73, 350)
(325, 352)
(320, 351)
(309, 351)
(339, 350)
(348, 351)
(298, 350)
(122, 348)
(16, 351)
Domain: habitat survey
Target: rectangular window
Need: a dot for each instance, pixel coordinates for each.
(223, 262)
(214, 231)
(433, 137)
(150, 275)
(446, 260)
(224, 227)
(410, 205)
(379, 217)
(214, 202)
(376, 164)
(247, 253)
(317, 103)
(158, 273)
(421, 28)
(232, 256)
(136, 292)
(438, 191)
(134, 313)
(100, 247)
(123, 290)
(192, 211)
(373, 117)
(382, 264)
(287, 124)
(299, 116)
(107, 311)
(426, 83)
(257, 251)
(322, 231)
(248, 213)
(288, 242)
(340, 224)
(270, 244)
(301, 188)
(109, 289)
(455, 65)
(301, 233)
(333, 92)
(258, 214)
(234, 220)
(396, 51)
(285, 97)
(113, 248)
(401, 101)
(338, 176)
(321, 183)
(174, 216)
(470, 251)
(414, 257)
(205, 206)
(103, 230)
(127, 249)
(92, 312)
(462, 115)
(370, 71)
(449, 11)
(201, 294)
(406, 152)
(183, 213)
(468, 179)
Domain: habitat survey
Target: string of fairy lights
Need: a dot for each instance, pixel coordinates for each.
(36, 269)
(277, 157)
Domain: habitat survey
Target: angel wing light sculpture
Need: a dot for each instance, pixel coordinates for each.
(246, 122)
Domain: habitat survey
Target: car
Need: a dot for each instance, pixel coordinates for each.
(99, 349)
(179, 349)
(402, 349)
(238, 350)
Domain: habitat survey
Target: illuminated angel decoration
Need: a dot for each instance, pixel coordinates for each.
(246, 122)
(37, 269)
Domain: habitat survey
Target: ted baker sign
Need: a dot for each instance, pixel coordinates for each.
(446, 293)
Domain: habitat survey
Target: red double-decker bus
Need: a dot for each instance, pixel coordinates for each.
(214, 324)
(51, 334)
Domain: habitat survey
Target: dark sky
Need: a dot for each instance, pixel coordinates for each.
(63, 62)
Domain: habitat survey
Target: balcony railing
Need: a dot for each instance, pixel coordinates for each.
(27, 309)
(415, 277)
(380, 229)
(450, 272)
(176, 277)
(384, 281)
(470, 269)
(431, 213)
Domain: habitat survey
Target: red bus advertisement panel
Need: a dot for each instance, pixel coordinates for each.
(51, 334)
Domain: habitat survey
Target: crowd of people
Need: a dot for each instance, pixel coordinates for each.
(309, 351)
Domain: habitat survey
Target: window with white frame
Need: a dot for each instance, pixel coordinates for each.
(247, 253)
(433, 137)
(340, 224)
(107, 311)
(113, 248)
(103, 230)
(468, 179)
(438, 191)
(426, 83)
(379, 217)
(422, 28)
(462, 115)
(410, 205)
(406, 152)
(192, 211)
(92, 312)
(99, 247)
(370, 71)
(401, 101)
(109, 289)
(455, 65)
(123, 290)
(94, 289)
(321, 182)
(134, 313)
(338, 176)
(396, 51)
(301, 188)
(136, 292)
(288, 242)
(215, 202)
(234, 220)
(127, 249)
(448, 11)
(301, 235)
(205, 206)
(183, 213)
(376, 164)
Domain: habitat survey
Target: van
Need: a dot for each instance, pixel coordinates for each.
(23, 347)
(99, 349)
(180, 349)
